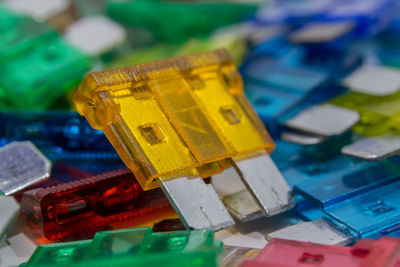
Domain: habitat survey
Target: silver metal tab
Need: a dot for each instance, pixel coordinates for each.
(302, 139)
(95, 35)
(21, 165)
(8, 208)
(320, 231)
(197, 203)
(321, 32)
(324, 120)
(374, 148)
(242, 206)
(265, 183)
(374, 80)
(41, 10)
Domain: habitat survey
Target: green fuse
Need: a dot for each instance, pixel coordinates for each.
(17, 32)
(133, 247)
(33, 78)
(375, 96)
(233, 43)
(176, 21)
(379, 115)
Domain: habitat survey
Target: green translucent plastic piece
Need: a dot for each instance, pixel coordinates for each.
(133, 247)
(46, 69)
(235, 45)
(378, 115)
(175, 21)
(17, 32)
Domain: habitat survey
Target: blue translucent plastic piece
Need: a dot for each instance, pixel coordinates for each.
(61, 136)
(300, 164)
(369, 16)
(336, 61)
(65, 130)
(365, 201)
(267, 72)
(370, 213)
(359, 178)
(270, 103)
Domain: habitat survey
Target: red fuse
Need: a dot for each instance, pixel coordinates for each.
(79, 209)
(60, 173)
(366, 252)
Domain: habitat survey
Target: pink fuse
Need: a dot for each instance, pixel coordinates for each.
(366, 252)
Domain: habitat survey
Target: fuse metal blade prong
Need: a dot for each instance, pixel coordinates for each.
(320, 231)
(196, 203)
(242, 206)
(374, 148)
(21, 165)
(266, 183)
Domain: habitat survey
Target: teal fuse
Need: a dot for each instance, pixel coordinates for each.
(133, 247)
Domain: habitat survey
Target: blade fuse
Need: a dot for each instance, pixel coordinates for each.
(186, 118)
(80, 208)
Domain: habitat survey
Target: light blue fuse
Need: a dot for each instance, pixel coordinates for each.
(361, 177)
(268, 72)
(299, 164)
(365, 202)
(372, 213)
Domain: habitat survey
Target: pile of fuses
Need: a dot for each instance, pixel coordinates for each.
(119, 119)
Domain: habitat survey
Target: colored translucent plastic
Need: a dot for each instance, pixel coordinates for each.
(378, 114)
(235, 45)
(178, 117)
(33, 78)
(61, 136)
(300, 163)
(134, 247)
(195, 18)
(80, 208)
(18, 32)
(366, 252)
(57, 130)
(364, 201)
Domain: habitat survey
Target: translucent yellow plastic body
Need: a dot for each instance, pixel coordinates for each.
(175, 117)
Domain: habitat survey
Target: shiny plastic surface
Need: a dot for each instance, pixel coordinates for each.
(80, 208)
(179, 116)
(366, 252)
(134, 247)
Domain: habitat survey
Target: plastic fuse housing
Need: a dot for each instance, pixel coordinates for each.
(17, 31)
(184, 116)
(134, 247)
(366, 252)
(195, 17)
(379, 115)
(81, 208)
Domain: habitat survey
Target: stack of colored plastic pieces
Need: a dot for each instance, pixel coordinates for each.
(200, 133)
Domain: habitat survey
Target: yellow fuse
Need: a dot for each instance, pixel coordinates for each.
(180, 117)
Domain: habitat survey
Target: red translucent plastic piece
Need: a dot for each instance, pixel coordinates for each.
(366, 252)
(59, 173)
(79, 209)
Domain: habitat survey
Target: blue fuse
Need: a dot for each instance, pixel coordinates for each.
(61, 136)
(274, 88)
(364, 202)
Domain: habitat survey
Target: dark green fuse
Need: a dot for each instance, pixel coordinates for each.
(176, 21)
(133, 247)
